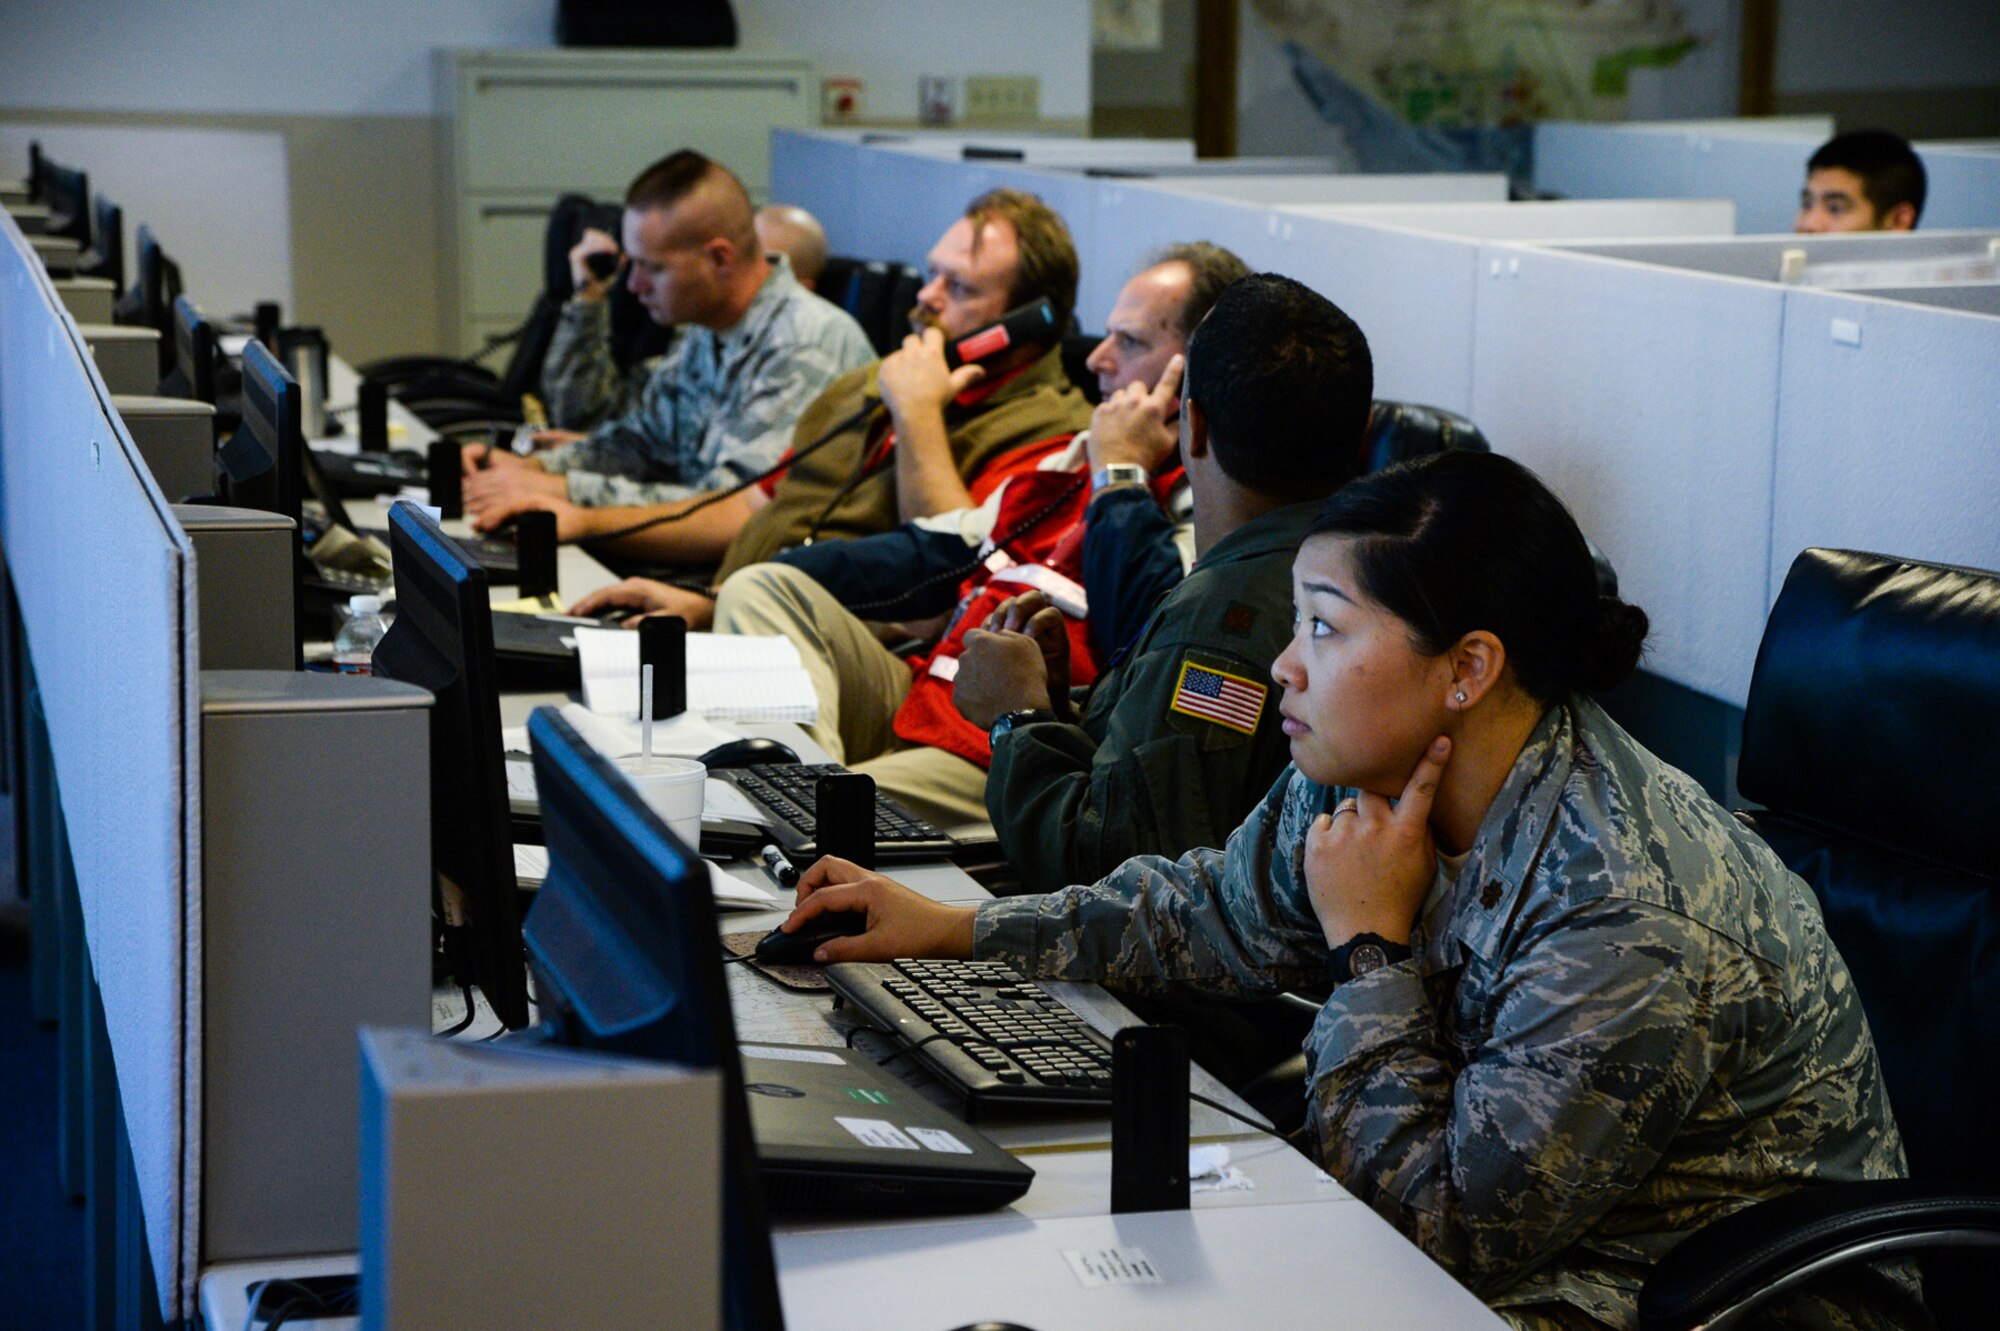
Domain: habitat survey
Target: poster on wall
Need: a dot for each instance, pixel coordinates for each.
(1466, 63)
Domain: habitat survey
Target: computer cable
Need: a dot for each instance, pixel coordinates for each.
(300, 1300)
(868, 405)
(471, 1011)
(965, 570)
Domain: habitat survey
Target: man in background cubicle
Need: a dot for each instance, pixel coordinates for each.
(1865, 180)
(904, 438)
(755, 351)
(582, 385)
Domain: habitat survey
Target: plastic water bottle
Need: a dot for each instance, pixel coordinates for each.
(354, 645)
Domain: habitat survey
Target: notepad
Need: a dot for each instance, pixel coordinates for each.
(731, 677)
(731, 892)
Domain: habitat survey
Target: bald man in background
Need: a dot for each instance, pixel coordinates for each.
(756, 348)
(787, 229)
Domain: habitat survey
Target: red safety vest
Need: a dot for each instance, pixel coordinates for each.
(1037, 544)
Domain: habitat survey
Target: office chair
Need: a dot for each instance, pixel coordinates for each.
(1872, 741)
(461, 394)
(836, 280)
(1076, 349)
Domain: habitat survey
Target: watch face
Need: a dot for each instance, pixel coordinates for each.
(1366, 957)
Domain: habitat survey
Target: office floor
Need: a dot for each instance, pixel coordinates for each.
(41, 1234)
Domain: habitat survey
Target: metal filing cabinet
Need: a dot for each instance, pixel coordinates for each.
(522, 127)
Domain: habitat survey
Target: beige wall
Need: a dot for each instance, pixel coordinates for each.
(368, 239)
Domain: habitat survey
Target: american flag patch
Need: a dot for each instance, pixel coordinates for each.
(1214, 695)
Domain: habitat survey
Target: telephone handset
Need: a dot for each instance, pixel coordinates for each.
(1033, 322)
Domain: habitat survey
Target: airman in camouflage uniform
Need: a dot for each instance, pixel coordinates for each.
(718, 408)
(1623, 1019)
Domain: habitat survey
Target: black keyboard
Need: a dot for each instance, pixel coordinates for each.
(1003, 1040)
(789, 792)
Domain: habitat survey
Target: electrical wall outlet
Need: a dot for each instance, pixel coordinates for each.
(1002, 99)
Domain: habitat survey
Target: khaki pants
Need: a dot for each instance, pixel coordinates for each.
(860, 684)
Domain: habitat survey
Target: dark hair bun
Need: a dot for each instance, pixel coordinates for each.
(1613, 649)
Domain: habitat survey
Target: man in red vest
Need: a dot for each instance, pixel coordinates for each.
(891, 716)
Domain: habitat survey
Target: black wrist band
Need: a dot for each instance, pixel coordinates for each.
(1363, 954)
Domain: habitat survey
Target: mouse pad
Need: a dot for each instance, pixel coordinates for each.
(798, 979)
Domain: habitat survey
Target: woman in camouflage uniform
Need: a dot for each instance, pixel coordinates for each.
(1574, 1011)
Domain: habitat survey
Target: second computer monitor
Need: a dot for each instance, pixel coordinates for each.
(193, 374)
(442, 641)
(106, 258)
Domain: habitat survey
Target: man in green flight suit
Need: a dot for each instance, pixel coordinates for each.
(1178, 738)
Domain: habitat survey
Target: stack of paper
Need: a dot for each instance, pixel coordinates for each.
(731, 891)
(731, 677)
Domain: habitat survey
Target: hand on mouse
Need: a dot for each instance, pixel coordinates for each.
(901, 923)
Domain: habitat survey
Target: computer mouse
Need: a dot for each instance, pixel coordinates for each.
(993, 1326)
(796, 949)
(743, 752)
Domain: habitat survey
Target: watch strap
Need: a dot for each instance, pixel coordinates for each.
(1362, 954)
(1026, 716)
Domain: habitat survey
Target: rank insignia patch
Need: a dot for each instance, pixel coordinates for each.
(1217, 696)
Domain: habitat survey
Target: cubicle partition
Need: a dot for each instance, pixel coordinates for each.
(1886, 428)
(1708, 426)
(1762, 258)
(1646, 397)
(1760, 163)
(1541, 221)
(1345, 187)
(890, 195)
(104, 581)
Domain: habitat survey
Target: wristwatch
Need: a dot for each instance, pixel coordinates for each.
(1117, 473)
(1362, 954)
(1027, 716)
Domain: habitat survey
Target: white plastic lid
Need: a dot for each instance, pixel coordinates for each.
(364, 605)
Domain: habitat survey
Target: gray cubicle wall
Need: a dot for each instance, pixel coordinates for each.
(1645, 396)
(1761, 258)
(890, 195)
(1344, 188)
(1542, 221)
(105, 582)
(1971, 297)
(1758, 163)
(1707, 427)
(1412, 294)
(1886, 427)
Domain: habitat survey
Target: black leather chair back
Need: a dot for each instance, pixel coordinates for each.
(1872, 738)
(836, 279)
(1400, 431)
(904, 283)
(1076, 349)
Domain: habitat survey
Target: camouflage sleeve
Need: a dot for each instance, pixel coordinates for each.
(1219, 919)
(1601, 1036)
(581, 384)
(628, 461)
(776, 388)
(1068, 808)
